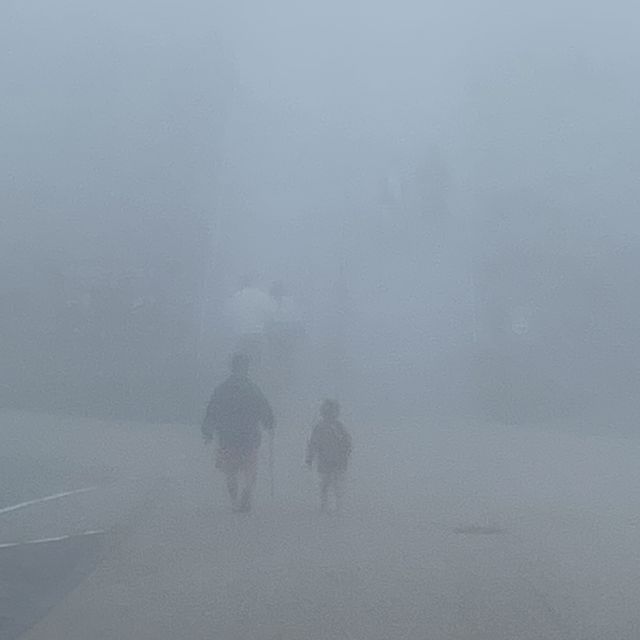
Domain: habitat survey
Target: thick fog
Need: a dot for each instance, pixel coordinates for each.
(443, 196)
(465, 172)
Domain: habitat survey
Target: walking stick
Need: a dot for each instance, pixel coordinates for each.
(271, 466)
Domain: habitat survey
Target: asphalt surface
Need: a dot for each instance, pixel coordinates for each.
(465, 532)
(67, 496)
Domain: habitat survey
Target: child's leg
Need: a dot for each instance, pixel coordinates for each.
(339, 488)
(226, 464)
(250, 475)
(232, 486)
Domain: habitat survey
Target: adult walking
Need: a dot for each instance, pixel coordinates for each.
(236, 413)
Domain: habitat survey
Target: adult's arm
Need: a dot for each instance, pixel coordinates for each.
(348, 442)
(267, 417)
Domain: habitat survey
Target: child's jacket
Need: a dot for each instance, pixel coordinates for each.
(329, 445)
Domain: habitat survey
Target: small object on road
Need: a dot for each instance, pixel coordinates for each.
(479, 530)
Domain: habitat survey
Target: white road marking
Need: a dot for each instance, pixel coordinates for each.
(55, 496)
(8, 545)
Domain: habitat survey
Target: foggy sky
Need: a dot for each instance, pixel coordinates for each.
(410, 143)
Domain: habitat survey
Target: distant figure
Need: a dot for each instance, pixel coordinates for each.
(284, 331)
(235, 414)
(249, 312)
(330, 448)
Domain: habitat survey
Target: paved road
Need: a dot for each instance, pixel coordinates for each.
(48, 546)
(485, 533)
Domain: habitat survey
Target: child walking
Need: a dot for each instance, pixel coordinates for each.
(330, 448)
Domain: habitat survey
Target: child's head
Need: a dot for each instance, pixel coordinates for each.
(330, 409)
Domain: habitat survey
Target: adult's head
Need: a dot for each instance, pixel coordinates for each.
(330, 409)
(240, 363)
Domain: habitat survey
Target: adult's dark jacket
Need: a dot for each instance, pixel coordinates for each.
(236, 410)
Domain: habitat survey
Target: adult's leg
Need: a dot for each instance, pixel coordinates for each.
(250, 475)
(325, 484)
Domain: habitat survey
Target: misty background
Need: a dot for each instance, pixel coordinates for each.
(448, 190)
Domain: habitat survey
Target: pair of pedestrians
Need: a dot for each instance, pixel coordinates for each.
(236, 414)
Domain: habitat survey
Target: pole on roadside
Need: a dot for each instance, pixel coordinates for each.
(272, 482)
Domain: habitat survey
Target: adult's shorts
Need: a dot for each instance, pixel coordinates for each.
(232, 460)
